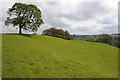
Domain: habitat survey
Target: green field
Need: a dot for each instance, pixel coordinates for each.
(38, 56)
(86, 37)
(92, 37)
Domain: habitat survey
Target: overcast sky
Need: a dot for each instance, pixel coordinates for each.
(76, 16)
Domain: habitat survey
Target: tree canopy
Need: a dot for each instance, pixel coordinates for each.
(105, 38)
(24, 16)
(57, 33)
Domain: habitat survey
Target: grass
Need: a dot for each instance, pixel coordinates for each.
(92, 37)
(86, 37)
(38, 56)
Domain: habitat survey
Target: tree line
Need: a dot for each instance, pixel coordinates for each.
(105, 38)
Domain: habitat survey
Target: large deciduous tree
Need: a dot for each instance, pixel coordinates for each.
(24, 16)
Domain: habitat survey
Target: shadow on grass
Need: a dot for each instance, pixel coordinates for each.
(25, 35)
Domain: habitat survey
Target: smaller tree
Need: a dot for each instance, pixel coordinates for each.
(105, 38)
(67, 35)
(57, 33)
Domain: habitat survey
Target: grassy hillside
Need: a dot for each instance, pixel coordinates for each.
(41, 56)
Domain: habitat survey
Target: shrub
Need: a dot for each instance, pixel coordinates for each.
(60, 33)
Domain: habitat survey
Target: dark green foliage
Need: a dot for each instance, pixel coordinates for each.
(67, 35)
(60, 33)
(24, 16)
(115, 42)
(105, 38)
(109, 39)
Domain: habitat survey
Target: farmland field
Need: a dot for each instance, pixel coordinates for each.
(92, 37)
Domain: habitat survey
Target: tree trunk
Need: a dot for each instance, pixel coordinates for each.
(20, 30)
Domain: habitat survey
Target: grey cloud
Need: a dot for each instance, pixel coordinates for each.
(112, 29)
(52, 16)
(119, 13)
(106, 21)
(53, 3)
(55, 22)
(86, 11)
(82, 29)
(6, 29)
